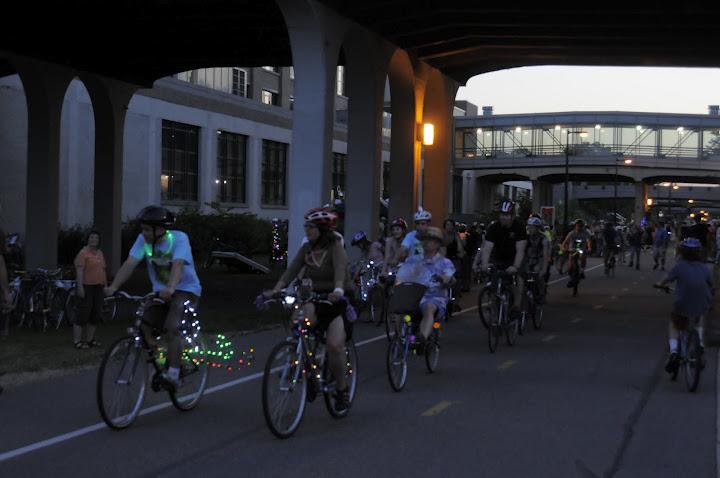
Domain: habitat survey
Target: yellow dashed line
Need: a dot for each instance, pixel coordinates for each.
(506, 365)
(437, 409)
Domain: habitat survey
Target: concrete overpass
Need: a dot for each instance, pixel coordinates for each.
(425, 49)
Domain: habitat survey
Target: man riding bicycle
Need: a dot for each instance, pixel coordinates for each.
(505, 243)
(537, 254)
(411, 245)
(577, 239)
(433, 270)
(171, 270)
(610, 236)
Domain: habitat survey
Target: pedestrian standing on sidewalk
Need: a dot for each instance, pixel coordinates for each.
(91, 280)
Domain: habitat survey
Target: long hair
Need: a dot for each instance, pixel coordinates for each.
(327, 238)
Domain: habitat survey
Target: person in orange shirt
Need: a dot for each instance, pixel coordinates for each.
(91, 280)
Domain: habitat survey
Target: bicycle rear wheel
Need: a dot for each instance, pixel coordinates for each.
(692, 361)
(536, 314)
(376, 304)
(432, 350)
(351, 365)
(512, 328)
(193, 375)
(121, 383)
(284, 392)
(397, 367)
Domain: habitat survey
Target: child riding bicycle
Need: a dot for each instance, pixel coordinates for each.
(693, 295)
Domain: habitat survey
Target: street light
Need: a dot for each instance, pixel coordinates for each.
(615, 183)
(568, 132)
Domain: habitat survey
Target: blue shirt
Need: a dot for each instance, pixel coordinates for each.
(420, 270)
(693, 293)
(175, 246)
(661, 237)
(412, 244)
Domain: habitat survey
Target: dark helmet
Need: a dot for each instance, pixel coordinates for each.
(578, 221)
(156, 216)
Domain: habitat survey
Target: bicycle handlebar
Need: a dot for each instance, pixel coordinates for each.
(138, 298)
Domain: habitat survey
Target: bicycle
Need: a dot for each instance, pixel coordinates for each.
(496, 309)
(611, 261)
(690, 350)
(372, 294)
(297, 369)
(122, 377)
(531, 302)
(405, 303)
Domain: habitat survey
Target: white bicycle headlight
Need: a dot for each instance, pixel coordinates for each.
(289, 300)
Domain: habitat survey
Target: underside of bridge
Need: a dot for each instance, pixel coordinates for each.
(425, 48)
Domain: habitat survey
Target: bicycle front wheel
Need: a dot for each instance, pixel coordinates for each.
(193, 375)
(432, 351)
(485, 307)
(397, 367)
(494, 330)
(121, 383)
(284, 392)
(351, 377)
(537, 316)
(693, 364)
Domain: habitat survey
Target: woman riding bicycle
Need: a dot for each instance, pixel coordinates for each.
(398, 229)
(579, 233)
(693, 294)
(323, 261)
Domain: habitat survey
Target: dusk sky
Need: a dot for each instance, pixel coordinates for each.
(538, 89)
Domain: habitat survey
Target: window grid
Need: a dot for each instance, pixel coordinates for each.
(231, 166)
(274, 166)
(179, 169)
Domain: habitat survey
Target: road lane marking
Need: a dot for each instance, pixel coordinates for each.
(548, 338)
(625, 289)
(507, 364)
(598, 307)
(437, 409)
(613, 297)
(576, 320)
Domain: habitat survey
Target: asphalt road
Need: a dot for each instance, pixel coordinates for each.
(584, 397)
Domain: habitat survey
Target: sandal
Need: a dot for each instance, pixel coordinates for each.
(81, 345)
(93, 343)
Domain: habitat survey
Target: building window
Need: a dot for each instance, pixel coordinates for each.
(274, 69)
(179, 176)
(338, 176)
(231, 162)
(274, 166)
(340, 81)
(269, 98)
(386, 179)
(239, 82)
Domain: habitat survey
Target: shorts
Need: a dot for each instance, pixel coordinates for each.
(326, 313)
(437, 301)
(167, 317)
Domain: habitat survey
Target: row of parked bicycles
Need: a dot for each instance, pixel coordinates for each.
(44, 299)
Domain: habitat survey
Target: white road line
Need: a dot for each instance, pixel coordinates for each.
(548, 338)
(217, 388)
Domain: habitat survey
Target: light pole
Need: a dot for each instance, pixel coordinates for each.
(615, 183)
(568, 132)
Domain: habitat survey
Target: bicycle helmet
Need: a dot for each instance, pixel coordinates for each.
(507, 207)
(156, 216)
(400, 222)
(578, 221)
(321, 216)
(690, 243)
(422, 215)
(534, 221)
(358, 237)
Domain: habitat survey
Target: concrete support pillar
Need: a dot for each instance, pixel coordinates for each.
(366, 57)
(640, 201)
(404, 170)
(315, 37)
(45, 86)
(484, 196)
(110, 100)
(253, 171)
(207, 167)
(541, 195)
(437, 176)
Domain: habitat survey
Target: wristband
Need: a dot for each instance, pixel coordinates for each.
(339, 291)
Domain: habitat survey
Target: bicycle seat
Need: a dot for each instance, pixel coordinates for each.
(406, 298)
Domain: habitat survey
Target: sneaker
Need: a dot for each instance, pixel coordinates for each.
(175, 383)
(671, 366)
(342, 400)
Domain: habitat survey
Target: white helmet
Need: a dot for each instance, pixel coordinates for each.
(534, 221)
(422, 215)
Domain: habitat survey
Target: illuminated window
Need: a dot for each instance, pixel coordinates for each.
(269, 98)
